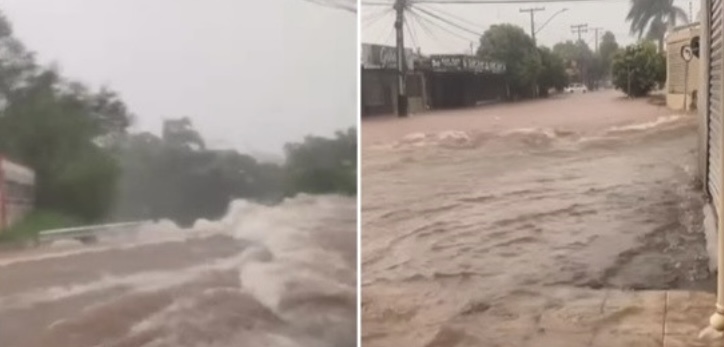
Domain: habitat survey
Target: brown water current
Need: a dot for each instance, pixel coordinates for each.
(262, 276)
(467, 234)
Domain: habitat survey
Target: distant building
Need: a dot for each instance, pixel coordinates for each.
(680, 78)
(437, 81)
(380, 78)
(457, 80)
(17, 192)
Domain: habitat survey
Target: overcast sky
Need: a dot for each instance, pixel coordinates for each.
(251, 74)
(609, 15)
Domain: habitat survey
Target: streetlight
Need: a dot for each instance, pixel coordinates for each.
(550, 19)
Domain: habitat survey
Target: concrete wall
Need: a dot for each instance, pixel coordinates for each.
(379, 92)
(676, 71)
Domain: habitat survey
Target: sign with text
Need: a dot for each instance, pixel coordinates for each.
(464, 63)
(384, 57)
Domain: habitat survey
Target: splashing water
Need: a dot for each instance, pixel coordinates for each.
(261, 276)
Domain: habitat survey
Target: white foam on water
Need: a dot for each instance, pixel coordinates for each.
(298, 276)
(138, 282)
(290, 269)
(647, 125)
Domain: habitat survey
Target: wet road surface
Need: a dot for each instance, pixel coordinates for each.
(467, 230)
(263, 276)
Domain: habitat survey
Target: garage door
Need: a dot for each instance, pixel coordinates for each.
(715, 103)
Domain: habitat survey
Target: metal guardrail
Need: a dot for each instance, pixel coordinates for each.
(87, 234)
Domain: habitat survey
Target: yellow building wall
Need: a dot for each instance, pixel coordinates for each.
(676, 82)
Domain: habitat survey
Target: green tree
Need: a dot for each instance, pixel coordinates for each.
(56, 127)
(607, 49)
(553, 74)
(54, 132)
(180, 132)
(577, 57)
(320, 165)
(89, 168)
(163, 178)
(510, 44)
(653, 18)
(638, 69)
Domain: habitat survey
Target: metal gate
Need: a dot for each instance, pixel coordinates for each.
(714, 118)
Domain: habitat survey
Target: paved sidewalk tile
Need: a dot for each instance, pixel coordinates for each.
(681, 298)
(652, 300)
(559, 339)
(572, 319)
(689, 341)
(687, 320)
(625, 340)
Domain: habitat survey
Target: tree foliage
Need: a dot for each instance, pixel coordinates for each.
(607, 49)
(510, 44)
(651, 19)
(577, 57)
(553, 74)
(165, 177)
(638, 69)
(90, 168)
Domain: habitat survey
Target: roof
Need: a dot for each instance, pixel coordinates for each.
(384, 57)
(16, 172)
(683, 32)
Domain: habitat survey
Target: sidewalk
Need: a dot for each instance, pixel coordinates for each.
(623, 319)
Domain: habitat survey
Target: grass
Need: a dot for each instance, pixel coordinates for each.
(35, 222)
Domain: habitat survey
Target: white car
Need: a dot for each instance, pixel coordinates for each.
(576, 88)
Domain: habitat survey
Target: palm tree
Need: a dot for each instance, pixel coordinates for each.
(653, 17)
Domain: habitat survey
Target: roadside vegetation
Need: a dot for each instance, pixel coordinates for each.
(636, 70)
(535, 71)
(639, 69)
(90, 168)
(35, 222)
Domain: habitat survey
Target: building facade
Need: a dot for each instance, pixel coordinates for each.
(379, 81)
(17, 192)
(454, 81)
(682, 77)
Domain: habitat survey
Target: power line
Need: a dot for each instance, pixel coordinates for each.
(422, 18)
(389, 35)
(421, 22)
(578, 29)
(532, 12)
(377, 3)
(438, 17)
(489, 2)
(596, 30)
(413, 37)
(456, 17)
(375, 17)
(347, 5)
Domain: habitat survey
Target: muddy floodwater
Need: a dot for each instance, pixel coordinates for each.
(263, 276)
(468, 230)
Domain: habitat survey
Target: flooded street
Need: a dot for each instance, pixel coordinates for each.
(473, 226)
(263, 276)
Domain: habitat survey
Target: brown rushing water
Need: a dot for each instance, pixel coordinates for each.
(469, 229)
(263, 276)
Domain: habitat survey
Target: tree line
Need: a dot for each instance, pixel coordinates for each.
(533, 71)
(636, 69)
(91, 168)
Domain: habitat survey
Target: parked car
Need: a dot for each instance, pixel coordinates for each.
(576, 88)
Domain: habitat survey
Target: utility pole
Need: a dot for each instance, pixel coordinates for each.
(532, 12)
(401, 61)
(596, 31)
(579, 29)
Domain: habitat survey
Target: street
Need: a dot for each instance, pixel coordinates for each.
(250, 279)
(472, 218)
